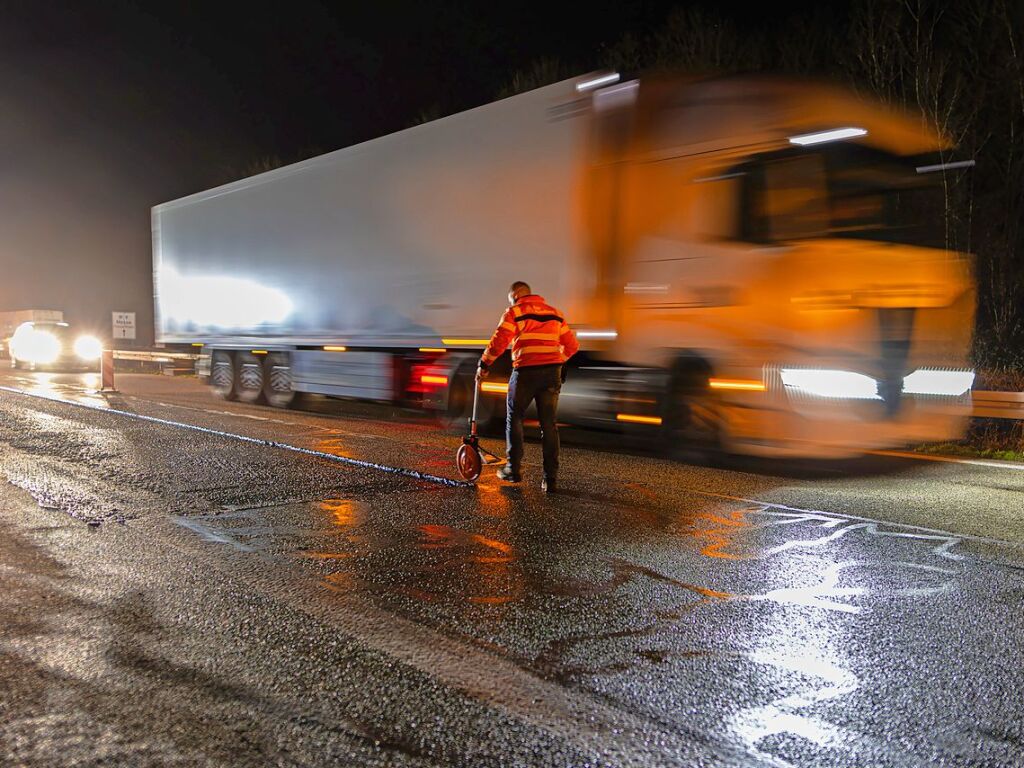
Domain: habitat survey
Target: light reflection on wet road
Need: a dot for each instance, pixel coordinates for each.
(768, 632)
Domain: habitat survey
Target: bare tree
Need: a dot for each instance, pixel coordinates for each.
(542, 72)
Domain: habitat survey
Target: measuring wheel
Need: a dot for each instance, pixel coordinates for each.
(468, 460)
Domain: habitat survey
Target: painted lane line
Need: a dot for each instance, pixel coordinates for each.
(829, 516)
(415, 474)
(951, 460)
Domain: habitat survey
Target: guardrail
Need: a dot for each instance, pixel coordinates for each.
(998, 405)
(986, 405)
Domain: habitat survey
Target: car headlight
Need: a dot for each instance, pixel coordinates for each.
(88, 347)
(36, 347)
(843, 385)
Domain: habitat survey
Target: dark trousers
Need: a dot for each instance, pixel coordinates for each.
(541, 383)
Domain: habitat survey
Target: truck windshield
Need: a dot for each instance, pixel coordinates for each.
(842, 190)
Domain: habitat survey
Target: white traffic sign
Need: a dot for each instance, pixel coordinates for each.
(124, 325)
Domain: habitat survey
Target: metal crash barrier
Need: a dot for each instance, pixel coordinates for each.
(169, 363)
(985, 405)
(998, 405)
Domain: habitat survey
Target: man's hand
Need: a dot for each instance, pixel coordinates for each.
(481, 372)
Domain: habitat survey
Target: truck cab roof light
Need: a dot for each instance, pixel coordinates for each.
(945, 166)
(821, 137)
(597, 82)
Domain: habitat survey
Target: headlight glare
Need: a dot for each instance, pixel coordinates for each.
(32, 346)
(932, 382)
(843, 385)
(88, 347)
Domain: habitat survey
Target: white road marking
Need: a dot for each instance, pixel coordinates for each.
(413, 473)
(825, 516)
(950, 459)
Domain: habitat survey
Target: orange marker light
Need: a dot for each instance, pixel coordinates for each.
(466, 342)
(745, 385)
(335, 349)
(494, 387)
(431, 379)
(632, 418)
(433, 349)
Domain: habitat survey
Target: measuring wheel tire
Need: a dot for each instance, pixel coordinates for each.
(222, 375)
(468, 462)
(277, 380)
(248, 377)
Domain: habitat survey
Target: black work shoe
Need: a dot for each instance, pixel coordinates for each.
(506, 474)
(549, 485)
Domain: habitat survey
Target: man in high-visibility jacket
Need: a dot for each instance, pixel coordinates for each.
(541, 344)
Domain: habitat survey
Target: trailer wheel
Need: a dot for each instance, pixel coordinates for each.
(692, 430)
(277, 380)
(222, 374)
(248, 377)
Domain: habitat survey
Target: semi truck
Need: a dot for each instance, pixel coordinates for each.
(751, 265)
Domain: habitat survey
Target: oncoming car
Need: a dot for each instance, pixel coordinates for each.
(53, 346)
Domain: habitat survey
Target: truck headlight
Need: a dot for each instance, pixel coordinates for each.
(88, 347)
(38, 347)
(931, 382)
(843, 385)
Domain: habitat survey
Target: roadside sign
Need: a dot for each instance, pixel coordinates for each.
(124, 325)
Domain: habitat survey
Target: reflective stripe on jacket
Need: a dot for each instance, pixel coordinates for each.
(537, 331)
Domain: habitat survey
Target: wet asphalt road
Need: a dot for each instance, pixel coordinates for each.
(180, 597)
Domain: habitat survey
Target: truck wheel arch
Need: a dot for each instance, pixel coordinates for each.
(692, 428)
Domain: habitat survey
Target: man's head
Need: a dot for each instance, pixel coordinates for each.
(517, 291)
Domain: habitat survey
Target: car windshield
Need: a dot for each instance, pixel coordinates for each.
(61, 330)
(843, 190)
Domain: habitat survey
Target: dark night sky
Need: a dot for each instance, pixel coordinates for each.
(107, 108)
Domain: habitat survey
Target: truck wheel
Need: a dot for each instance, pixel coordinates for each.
(222, 374)
(248, 377)
(460, 402)
(692, 430)
(277, 380)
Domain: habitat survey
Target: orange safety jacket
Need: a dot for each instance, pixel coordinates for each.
(537, 331)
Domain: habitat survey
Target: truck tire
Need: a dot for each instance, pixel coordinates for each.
(277, 380)
(248, 377)
(222, 374)
(460, 403)
(692, 426)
